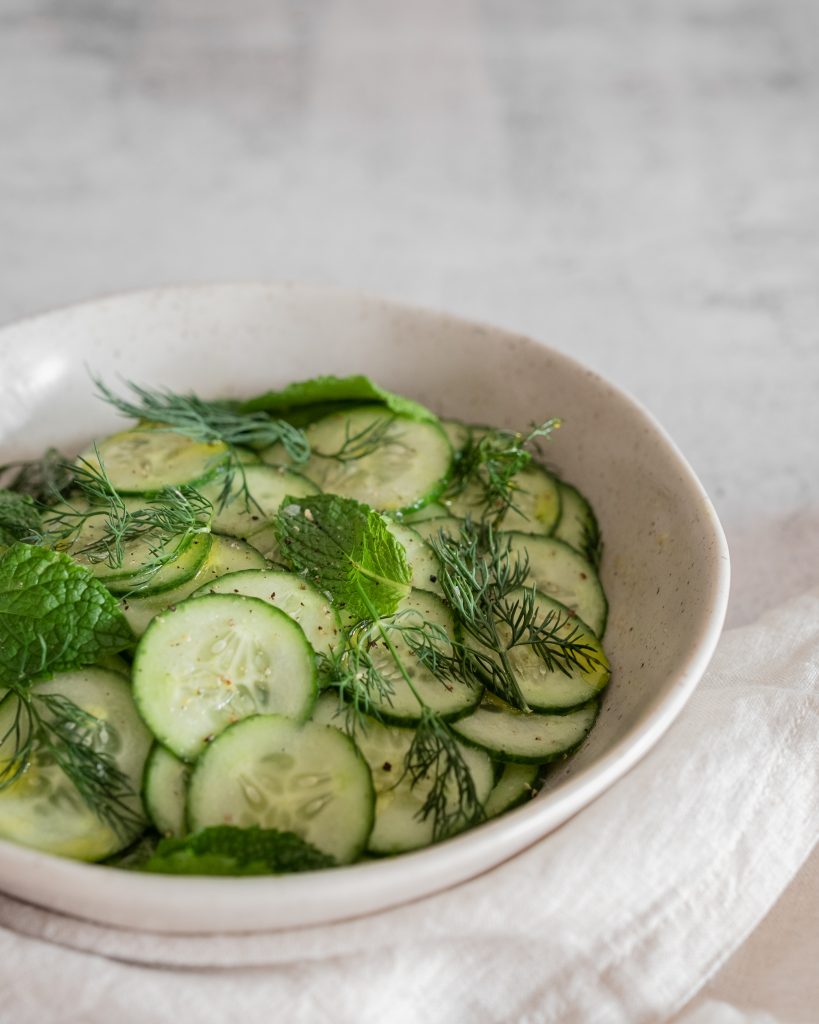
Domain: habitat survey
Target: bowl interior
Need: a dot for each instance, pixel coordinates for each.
(665, 567)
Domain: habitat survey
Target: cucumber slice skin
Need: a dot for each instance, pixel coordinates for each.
(183, 568)
(242, 779)
(411, 476)
(226, 554)
(534, 750)
(434, 510)
(43, 809)
(215, 660)
(516, 785)
(165, 791)
(578, 525)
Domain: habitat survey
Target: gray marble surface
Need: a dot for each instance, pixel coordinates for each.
(636, 183)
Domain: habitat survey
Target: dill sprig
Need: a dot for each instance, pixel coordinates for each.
(51, 727)
(44, 480)
(490, 462)
(208, 421)
(477, 575)
(435, 757)
(435, 754)
(212, 422)
(555, 637)
(362, 686)
(485, 586)
(166, 522)
(361, 443)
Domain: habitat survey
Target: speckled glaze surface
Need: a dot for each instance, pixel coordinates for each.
(665, 567)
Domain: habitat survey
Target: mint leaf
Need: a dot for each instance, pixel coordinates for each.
(347, 549)
(227, 850)
(53, 615)
(19, 517)
(308, 399)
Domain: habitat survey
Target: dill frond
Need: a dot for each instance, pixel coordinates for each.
(492, 461)
(166, 522)
(50, 726)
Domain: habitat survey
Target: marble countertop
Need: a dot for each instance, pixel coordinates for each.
(637, 184)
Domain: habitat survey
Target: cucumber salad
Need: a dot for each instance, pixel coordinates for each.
(315, 627)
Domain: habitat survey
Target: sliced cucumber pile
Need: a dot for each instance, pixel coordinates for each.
(255, 698)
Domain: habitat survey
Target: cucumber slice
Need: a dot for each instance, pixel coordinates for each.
(451, 699)
(390, 462)
(276, 773)
(149, 457)
(218, 659)
(43, 808)
(399, 826)
(267, 486)
(293, 594)
(562, 573)
(421, 559)
(517, 784)
(430, 528)
(577, 525)
(546, 688)
(226, 555)
(165, 791)
(183, 567)
(512, 735)
(536, 503)
(184, 555)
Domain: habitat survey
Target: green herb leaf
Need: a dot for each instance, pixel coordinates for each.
(227, 850)
(347, 549)
(44, 479)
(304, 401)
(19, 517)
(53, 615)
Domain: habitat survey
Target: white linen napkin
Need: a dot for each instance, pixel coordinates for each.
(619, 916)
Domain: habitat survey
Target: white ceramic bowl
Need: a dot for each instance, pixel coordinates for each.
(665, 567)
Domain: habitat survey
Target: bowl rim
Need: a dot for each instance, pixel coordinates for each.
(312, 898)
